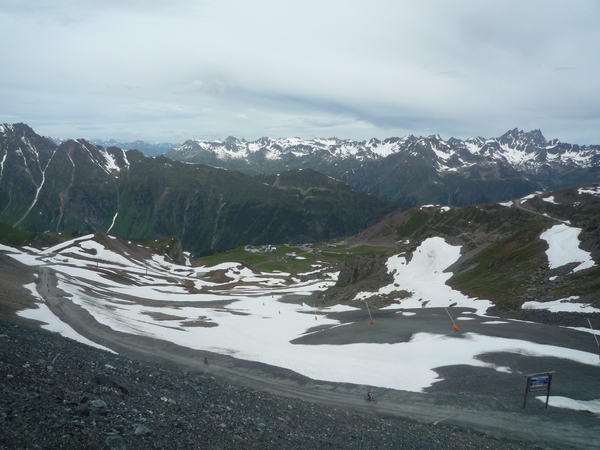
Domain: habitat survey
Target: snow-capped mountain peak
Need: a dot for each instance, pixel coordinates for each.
(523, 150)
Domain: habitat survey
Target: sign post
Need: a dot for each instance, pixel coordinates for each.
(538, 382)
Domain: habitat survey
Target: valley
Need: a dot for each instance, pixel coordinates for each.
(296, 285)
(266, 322)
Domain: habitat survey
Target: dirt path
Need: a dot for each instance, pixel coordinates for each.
(522, 208)
(504, 418)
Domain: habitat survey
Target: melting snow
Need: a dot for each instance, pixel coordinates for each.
(592, 406)
(425, 279)
(252, 314)
(51, 322)
(563, 248)
(562, 305)
(592, 191)
(549, 199)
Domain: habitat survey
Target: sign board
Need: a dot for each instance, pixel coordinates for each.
(538, 382)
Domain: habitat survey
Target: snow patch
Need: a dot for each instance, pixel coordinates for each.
(563, 248)
(592, 406)
(425, 279)
(562, 305)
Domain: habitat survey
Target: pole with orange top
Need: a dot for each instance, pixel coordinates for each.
(371, 321)
(453, 322)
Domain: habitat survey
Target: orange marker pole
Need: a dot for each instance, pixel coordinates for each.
(453, 322)
(371, 321)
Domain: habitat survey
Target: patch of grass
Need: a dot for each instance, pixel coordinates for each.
(161, 242)
(13, 237)
(279, 260)
(502, 271)
(19, 238)
(416, 221)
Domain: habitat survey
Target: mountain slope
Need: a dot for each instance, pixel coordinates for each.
(80, 187)
(503, 253)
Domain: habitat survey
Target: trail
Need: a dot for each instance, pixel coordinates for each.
(519, 206)
(553, 428)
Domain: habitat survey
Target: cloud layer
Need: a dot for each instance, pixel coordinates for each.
(156, 71)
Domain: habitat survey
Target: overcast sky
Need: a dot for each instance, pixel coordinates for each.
(160, 70)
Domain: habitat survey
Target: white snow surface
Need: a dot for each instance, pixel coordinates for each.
(425, 279)
(51, 322)
(253, 323)
(594, 190)
(527, 197)
(563, 248)
(550, 200)
(592, 406)
(562, 305)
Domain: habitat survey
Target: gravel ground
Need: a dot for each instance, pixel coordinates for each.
(58, 393)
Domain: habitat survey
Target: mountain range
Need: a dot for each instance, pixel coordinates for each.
(413, 170)
(400, 277)
(78, 187)
(274, 191)
(147, 148)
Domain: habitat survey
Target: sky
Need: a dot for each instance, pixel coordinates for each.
(170, 71)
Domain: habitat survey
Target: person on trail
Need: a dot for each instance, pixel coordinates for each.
(206, 360)
(370, 395)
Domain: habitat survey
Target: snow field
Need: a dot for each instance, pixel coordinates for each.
(254, 324)
(425, 278)
(563, 248)
(43, 314)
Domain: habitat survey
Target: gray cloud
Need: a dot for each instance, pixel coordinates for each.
(173, 70)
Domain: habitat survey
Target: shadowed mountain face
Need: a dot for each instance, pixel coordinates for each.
(79, 187)
(412, 171)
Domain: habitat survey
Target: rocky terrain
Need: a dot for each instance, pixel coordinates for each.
(58, 393)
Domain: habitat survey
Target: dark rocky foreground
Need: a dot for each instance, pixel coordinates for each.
(58, 393)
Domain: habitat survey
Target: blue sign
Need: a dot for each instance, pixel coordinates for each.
(539, 382)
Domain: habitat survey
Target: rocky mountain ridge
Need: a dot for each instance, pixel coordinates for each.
(415, 170)
(80, 187)
(148, 148)
(523, 149)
